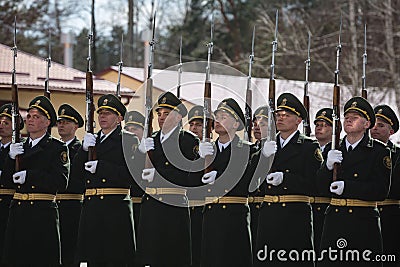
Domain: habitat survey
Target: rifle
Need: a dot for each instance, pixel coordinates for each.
(89, 120)
(16, 123)
(364, 90)
(249, 93)
(336, 128)
(178, 89)
(148, 127)
(120, 64)
(306, 99)
(207, 119)
(271, 95)
(48, 65)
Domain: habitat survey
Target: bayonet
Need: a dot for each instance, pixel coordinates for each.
(249, 93)
(363, 78)
(306, 99)
(178, 90)
(120, 64)
(48, 65)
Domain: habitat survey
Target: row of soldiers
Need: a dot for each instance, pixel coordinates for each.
(123, 209)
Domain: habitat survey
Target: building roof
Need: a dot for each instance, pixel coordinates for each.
(31, 74)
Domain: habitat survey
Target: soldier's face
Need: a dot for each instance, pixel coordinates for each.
(286, 122)
(108, 120)
(135, 129)
(66, 127)
(323, 131)
(262, 124)
(36, 122)
(168, 119)
(355, 123)
(256, 129)
(196, 127)
(225, 123)
(5, 127)
(382, 130)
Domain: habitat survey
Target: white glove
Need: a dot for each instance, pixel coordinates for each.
(89, 140)
(269, 148)
(0, 172)
(148, 174)
(91, 166)
(334, 156)
(19, 177)
(16, 149)
(337, 187)
(275, 178)
(205, 149)
(146, 144)
(209, 177)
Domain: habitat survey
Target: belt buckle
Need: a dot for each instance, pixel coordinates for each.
(312, 199)
(215, 200)
(152, 191)
(275, 199)
(25, 196)
(343, 202)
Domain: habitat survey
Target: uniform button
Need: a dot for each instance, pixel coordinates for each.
(103, 180)
(147, 198)
(318, 208)
(336, 210)
(269, 204)
(160, 198)
(33, 187)
(226, 191)
(283, 204)
(350, 211)
(19, 186)
(287, 170)
(88, 181)
(269, 187)
(356, 175)
(89, 198)
(19, 203)
(166, 163)
(209, 206)
(380, 209)
(31, 202)
(1, 199)
(208, 190)
(285, 188)
(101, 197)
(257, 206)
(224, 206)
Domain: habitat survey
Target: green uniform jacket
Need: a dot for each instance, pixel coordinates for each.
(226, 227)
(164, 230)
(106, 230)
(288, 226)
(70, 210)
(366, 175)
(35, 224)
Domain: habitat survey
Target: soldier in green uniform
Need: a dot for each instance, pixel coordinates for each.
(352, 218)
(70, 201)
(6, 191)
(164, 228)
(32, 235)
(260, 131)
(387, 124)
(323, 133)
(226, 219)
(195, 120)
(285, 218)
(134, 123)
(106, 231)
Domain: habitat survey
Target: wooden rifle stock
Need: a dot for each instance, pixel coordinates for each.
(208, 123)
(336, 128)
(271, 94)
(90, 112)
(248, 112)
(307, 127)
(364, 93)
(149, 123)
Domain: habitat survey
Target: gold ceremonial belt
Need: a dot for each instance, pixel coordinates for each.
(106, 191)
(65, 196)
(388, 202)
(195, 202)
(7, 191)
(165, 191)
(286, 198)
(352, 202)
(136, 200)
(226, 200)
(320, 200)
(255, 199)
(34, 196)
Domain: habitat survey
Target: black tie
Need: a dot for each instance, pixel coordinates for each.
(350, 149)
(102, 138)
(30, 144)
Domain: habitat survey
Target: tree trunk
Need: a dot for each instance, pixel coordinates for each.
(354, 50)
(130, 50)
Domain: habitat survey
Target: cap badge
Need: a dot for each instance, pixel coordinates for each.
(105, 101)
(196, 113)
(37, 102)
(164, 100)
(284, 102)
(62, 111)
(6, 110)
(354, 104)
(323, 113)
(380, 111)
